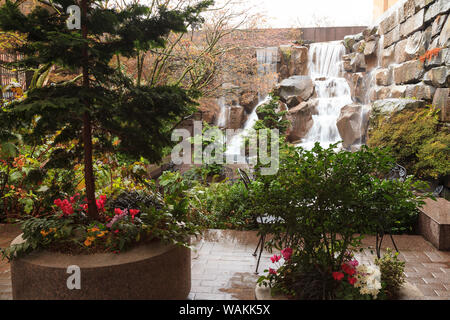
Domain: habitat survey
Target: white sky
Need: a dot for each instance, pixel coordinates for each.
(304, 13)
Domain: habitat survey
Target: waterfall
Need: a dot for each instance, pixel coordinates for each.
(267, 71)
(333, 92)
(223, 116)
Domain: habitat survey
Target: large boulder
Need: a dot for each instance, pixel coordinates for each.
(438, 77)
(358, 62)
(383, 77)
(357, 88)
(370, 47)
(352, 124)
(443, 57)
(442, 101)
(445, 33)
(420, 91)
(249, 100)
(387, 106)
(388, 56)
(398, 92)
(294, 61)
(237, 117)
(209, 110)
(412, 24)
(437, 8)
(300, 87)
(437, 25)
(301, 120)
(392, 37)
(408, 72)
(389, 23)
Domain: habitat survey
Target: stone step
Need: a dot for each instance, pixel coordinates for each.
(434, 223)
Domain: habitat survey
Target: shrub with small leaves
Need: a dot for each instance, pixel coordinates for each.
(392, 276)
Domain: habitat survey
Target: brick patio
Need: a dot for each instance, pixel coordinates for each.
(223, 265)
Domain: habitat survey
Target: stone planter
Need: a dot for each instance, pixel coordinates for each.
(147, 272)
(407, 292)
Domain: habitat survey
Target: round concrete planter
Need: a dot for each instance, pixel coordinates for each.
(147, 272)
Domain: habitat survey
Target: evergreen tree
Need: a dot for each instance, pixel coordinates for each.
(105, 106)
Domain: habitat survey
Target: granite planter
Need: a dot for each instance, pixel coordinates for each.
(152, 271)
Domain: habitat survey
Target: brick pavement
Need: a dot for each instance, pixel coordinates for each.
(223, 266)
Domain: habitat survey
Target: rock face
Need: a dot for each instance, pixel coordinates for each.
(383, 77)
(438, 77)
(395, 105)
(298, 87)
(301, 120)
(442, 101)
(293, 61)
(352, 125)
(209, 110)
(408, 72)
(248, 100)
(237, 117)
(420, 91)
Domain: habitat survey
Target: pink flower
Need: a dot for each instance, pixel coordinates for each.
(272, 271)
(338, 276)
(287, 253)
(354, 263)
(275, 258)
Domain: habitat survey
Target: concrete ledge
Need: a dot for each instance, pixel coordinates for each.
(149, 272)
(9, 228)
(434, 223)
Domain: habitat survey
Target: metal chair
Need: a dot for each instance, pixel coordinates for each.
(398, 172)
(260, 220)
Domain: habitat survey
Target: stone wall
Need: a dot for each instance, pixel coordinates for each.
(406, 56)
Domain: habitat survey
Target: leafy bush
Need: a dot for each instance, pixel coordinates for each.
(322, 201)
(68, 229)
(221, 205)
(392, 273)
(417, 140)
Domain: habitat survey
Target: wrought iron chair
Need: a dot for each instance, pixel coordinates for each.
(260, 221)
(397, 173)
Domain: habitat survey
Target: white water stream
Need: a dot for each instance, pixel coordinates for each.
(267, 65)
(333, 92)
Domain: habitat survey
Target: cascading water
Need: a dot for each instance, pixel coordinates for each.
(222, 120)
(333, 92)
(266, 68)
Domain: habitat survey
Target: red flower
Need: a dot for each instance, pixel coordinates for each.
(275, 258)
(272, 271)
(348, 269)
(133, 212)
(101, 203)
(338, 276)
(287, 253)
(351, 280)
(117, 211)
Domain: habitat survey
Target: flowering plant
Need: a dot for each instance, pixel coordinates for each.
(121, 224)
(357, 282)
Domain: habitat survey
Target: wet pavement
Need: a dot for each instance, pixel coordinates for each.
(223, 265)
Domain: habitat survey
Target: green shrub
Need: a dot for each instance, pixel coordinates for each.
(323, 200)
(392, 273)
(222, 205)
(417, 140)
